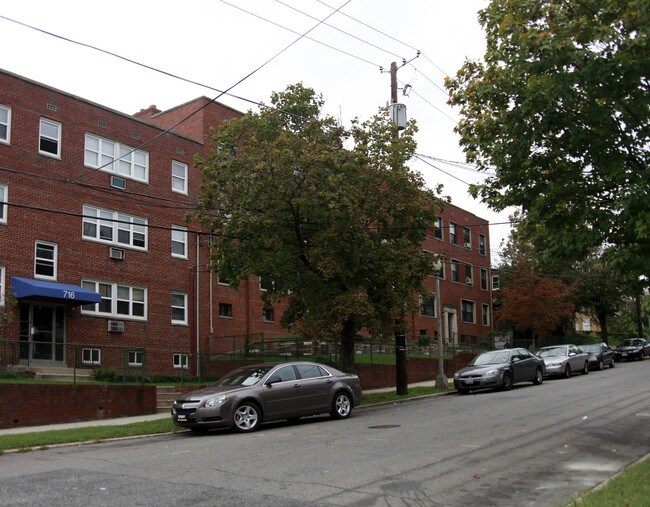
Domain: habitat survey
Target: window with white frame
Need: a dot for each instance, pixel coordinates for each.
(114, 228)
(486, 315)
(268, 315)
(469, 276)
(179, 177)
(225, 310)
(4, 198)
(482, 245)
(454, 271)
(116, 158)
(179, 242)
(484, 279)
(495, 282)
(5, 124)
(452, 233)
(467, 237)
(2, 285)
(49, 138)
(117, 300)
(45, 260)
(136, 357)
(437, 231)
(181, 361)
(467, 311)
(428, 306)
(91, 356)
(179, 308)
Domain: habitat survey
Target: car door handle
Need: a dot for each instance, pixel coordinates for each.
(296, 386)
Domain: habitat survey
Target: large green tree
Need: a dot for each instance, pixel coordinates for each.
(332, 219)
(560, 109)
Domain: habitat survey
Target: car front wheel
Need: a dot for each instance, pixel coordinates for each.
(601, 365)
(507, 382)
(539, 377)
(341, 406)
(247, 417)
(567, 371)
(611, 365)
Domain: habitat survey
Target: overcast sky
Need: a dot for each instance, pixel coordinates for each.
(217, 43)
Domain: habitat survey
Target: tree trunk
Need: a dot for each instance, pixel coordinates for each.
(602, 319)
(347, 345)
(639, 320)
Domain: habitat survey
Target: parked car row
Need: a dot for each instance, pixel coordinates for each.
(505, 367)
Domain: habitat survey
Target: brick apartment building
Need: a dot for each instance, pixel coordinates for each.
(95, 250)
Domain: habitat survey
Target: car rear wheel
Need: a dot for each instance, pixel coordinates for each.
(248, 417)
(539, 377)
(567, 371)
(601, 365)
(611, 365)
(507, 382)
(585, 368)
(341, 406)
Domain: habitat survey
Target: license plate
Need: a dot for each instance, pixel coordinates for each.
(181, 418)
(469, 380)
(624, 354)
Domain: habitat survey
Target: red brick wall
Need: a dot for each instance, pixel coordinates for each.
(42, 404)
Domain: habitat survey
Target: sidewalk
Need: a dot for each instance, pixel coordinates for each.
(150, 417)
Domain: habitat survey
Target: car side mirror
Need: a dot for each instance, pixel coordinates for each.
(273, 379)
(571, 354)
(515, 359)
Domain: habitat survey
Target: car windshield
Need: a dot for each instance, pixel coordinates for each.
(244, 376)
(494, 357)
(590, 348)
(632, 343)
(553, 352)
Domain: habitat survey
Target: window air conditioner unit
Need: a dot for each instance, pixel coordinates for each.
(117, 182)
(116, 326)
(468, 281)
(116, 253)
(468, 245)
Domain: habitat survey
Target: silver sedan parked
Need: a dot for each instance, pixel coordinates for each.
(564, 360)
(249, 396)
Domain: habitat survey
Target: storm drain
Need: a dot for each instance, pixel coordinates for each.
(384, 426)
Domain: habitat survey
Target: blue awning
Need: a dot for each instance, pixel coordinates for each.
(61, 292)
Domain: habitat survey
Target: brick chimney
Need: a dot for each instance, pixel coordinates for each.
(147, 113)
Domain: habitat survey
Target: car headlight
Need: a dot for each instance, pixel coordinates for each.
(456, 375)
(554, 364)
(491, 373)
(216, 401)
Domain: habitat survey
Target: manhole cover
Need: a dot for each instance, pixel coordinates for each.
(384, 426)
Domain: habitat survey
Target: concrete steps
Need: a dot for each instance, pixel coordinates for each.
(57, 373)
(165, 396)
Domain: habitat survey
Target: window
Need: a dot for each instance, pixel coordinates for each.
(286, 373)
(114, 228)
(179, 308)
(117, 300)
(484, 279)
(181, 361)
(45, 260)
(5, 124)
(222, 280)
(2, 285)
(225, 310)
(179, 177)
(467, 237)
(482, 245)
(266, 284)
(427, 307)
(311, 371)
(437, 231)
(268, 315)
(179, 242)
(486, 315)
(4, 198)
(116, 158)
(452, 233)
(454, 271)
(136, 357)
(495, 282)
(91, 356)
(49, 138)
(467, 311)
(469, 277)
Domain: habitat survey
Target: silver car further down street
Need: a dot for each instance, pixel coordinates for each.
(564, 360)
(249, 396)
(499, 369)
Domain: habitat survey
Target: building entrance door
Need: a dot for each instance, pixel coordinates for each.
(42, 333)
